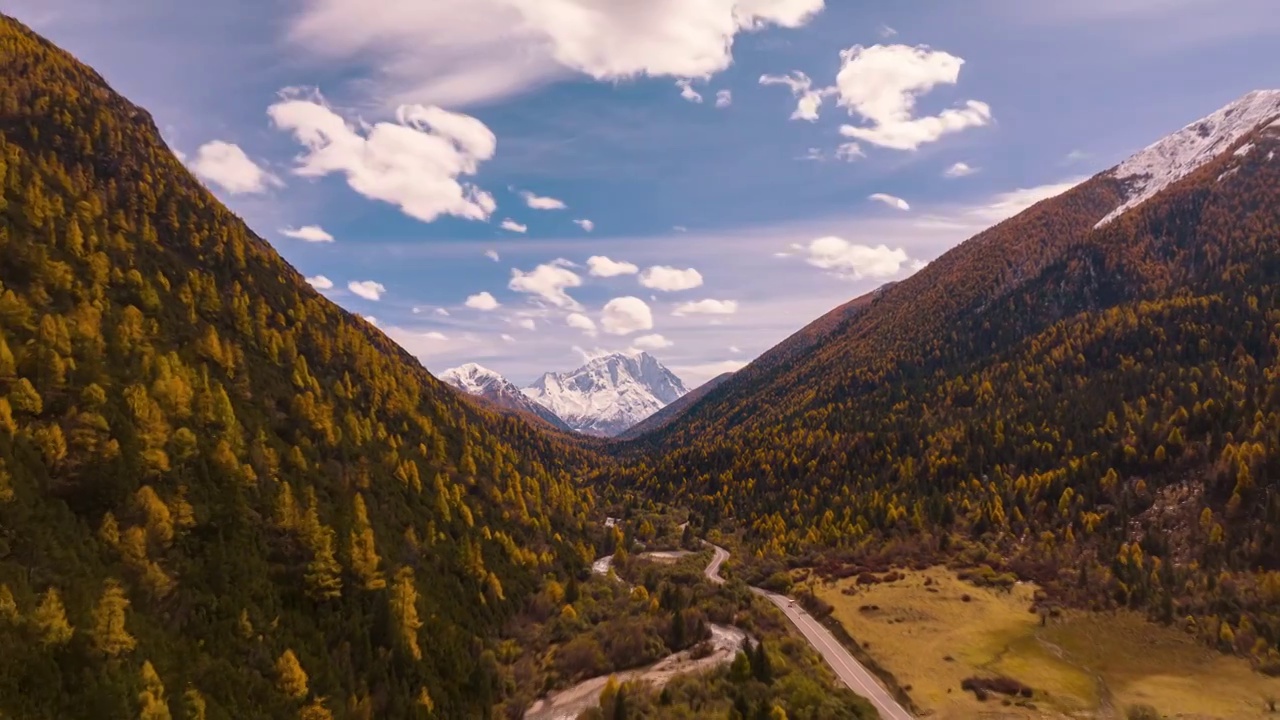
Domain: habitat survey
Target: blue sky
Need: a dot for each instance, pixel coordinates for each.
(410, 132)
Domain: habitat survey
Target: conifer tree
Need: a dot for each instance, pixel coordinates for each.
(50, 620)
(364, 554)
(109, 635)
(291, 679)
(404, 612)
(151, 700)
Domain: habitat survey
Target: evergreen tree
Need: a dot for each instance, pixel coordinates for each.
(109, 635)
(291, 679)
(50, 620)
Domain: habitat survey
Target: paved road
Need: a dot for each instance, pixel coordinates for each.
(849, 670)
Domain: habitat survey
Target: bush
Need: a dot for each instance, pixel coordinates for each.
(1141, 712)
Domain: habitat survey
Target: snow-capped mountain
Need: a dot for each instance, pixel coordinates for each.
(1175, 156)
(490, 386)
(609, 394)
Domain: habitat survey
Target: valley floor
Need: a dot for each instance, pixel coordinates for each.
(933, 630)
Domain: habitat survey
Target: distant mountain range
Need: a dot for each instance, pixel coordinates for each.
(498, 392)
(604, 397)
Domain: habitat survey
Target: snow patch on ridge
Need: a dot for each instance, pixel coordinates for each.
(1175, 156)
(609, 394)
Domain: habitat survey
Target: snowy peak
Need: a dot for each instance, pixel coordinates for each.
(608, 394)
(1175, 156)
(484, 383)
(473, 378)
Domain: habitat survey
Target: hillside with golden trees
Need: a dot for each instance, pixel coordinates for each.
(1096, 409)
(222, 496)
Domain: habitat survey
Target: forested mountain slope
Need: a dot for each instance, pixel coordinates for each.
(1097, 408)
(222, 496)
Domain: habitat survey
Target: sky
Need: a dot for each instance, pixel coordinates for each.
(528, 183)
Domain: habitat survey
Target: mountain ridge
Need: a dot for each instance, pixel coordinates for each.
(608, 394)
(483, 384)
(1051, 394)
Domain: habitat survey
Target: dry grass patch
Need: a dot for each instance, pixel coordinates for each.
(923, 630)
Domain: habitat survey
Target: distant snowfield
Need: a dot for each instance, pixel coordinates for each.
(1175, 156)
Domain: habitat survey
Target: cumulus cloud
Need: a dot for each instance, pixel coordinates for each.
(320, 282)
(460, 52)
(669, 279)
(370, 319)
(707, 307)
(525, 323)
(849, 152)
(538, 202)
(808, 99)
(959, 170)
(724, 98)
(367, 289)
(492, 255)
(308, 233)
(625, 315)
(547, 282)
(651, 342)
(435, 336)
(881, 83)
(507, 338)
(687, 92)
(442, 312)
(854, 261)
(578, 321)
(414, 163)
(227, 166)
(513, 226)
(585, 224)
(601, 266)
(890, 200)
(482, 301)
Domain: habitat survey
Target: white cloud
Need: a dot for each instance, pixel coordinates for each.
(661, 277)
(724, 98)
(687, 92)
(436, 336)
(507, 338)
(442, 312)
(601, 266)
(513, 226)
(581, 322)
(370, 319)
(308, 233)
(585, 224)
(460, 52)
(413, 163)
(548, 282)
(849, 152)
(320, 282)
(482, 301)
(1007, 204)
(651, 342)
(695, 375)
(1075, 156)
(625, 315)
(224, 164)
(367, 289)
(679, 228)
(707, 307)
(808, 100)
(854, 261)
(526, 323)
(959, 170)
(887, 32)
(492, 255)
(881, 83)
(538, 202)
(890, 200)
(734, 349)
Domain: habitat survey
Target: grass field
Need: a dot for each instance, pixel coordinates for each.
(1081, 665)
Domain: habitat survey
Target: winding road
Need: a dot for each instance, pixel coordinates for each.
(846, 667)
